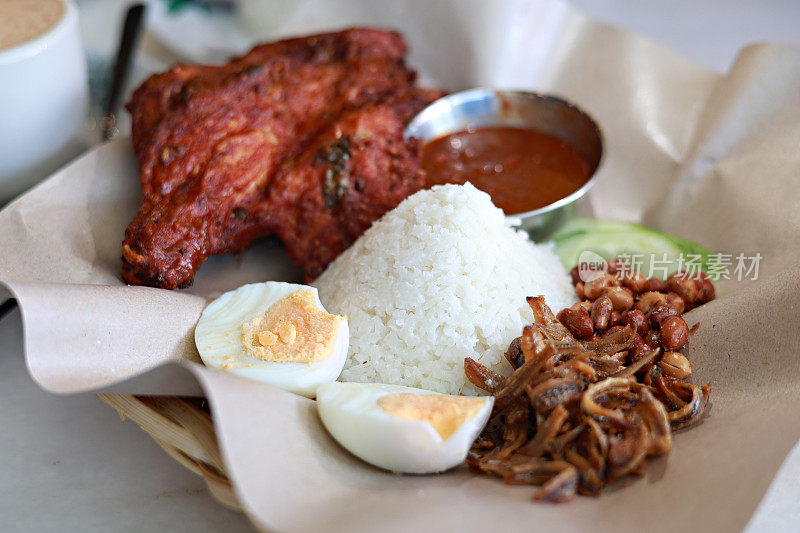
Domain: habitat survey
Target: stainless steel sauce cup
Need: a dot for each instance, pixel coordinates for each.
(489, 107)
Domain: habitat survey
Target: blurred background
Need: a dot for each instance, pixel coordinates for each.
(709, 32)
(145, 489)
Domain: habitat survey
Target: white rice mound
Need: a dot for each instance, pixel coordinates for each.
(441, 277)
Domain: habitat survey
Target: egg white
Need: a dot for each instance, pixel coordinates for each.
(218, 336)
(351, 414)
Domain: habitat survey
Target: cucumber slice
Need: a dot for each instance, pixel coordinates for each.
(584, 224)
(659, 253)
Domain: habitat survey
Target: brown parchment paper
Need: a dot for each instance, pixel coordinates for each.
(715, 158)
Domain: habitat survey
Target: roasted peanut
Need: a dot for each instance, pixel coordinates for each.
(621, 298)
(579, 323)
(635, 281)
(690, 289)
(676, 302)
(675, 364)
(612, 329)
(612, 267)
(652, 338)
(639, 353)
(575, 274)
(674, 333)
(594, 289)
(635, 319)
(615, 320)
(579, 290)
(635, 343)
(585, 306)
(707, 292)
(649, 300)
(601, 312)
(654, 285)
(658, 313)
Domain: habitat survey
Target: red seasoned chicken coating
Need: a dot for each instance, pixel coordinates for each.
(365, 168)
(213, 141)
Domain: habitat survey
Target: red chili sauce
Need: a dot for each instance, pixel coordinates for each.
(521, 169)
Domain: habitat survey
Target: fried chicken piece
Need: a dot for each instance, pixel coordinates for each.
(210, 141)
(350, 176)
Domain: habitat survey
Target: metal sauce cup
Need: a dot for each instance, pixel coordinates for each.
(489, 107)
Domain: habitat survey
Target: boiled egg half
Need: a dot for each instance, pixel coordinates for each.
(276, 333)
(402, 429)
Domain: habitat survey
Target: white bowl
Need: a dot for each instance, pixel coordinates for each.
(44, 98)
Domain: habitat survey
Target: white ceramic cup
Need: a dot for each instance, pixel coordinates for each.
(44, 98)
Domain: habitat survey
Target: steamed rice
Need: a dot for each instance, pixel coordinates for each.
(437, 279)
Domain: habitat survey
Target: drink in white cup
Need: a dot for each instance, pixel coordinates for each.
(24, 20)
(43, 91)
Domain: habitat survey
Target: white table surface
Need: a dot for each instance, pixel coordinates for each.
(56, 441)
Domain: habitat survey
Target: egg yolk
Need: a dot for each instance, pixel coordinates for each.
(445, 413)
(292, 330)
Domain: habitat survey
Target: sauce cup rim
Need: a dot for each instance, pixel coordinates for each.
(465, 95)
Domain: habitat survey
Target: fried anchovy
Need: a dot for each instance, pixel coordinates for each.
(572, 417)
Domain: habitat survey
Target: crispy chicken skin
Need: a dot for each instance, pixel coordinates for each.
(301, 138)
(351, 175)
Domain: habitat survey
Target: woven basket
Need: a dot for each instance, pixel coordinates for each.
(185, 430)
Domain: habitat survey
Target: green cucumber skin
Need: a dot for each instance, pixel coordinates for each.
(610, 238)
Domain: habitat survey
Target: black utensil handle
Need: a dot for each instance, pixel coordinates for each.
(130, 36)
